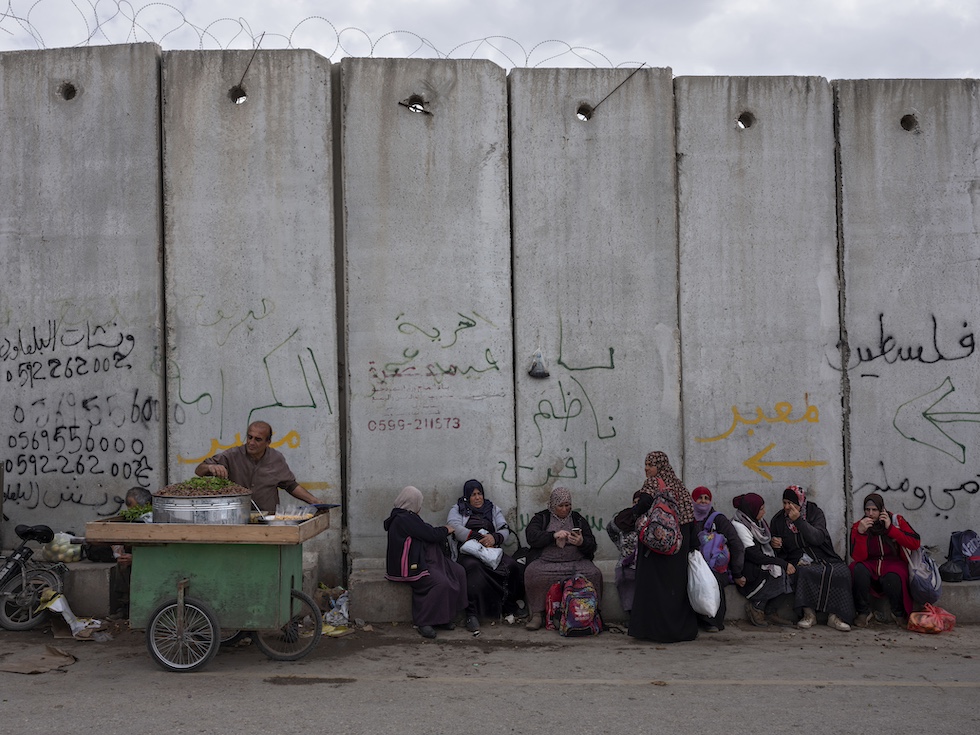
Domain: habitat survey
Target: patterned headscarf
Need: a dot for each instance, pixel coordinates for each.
(559, 496)
(795, 495)
(410, 498)
(665, 472)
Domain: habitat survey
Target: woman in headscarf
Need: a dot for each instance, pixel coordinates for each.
(708, 520)
(661, 609)
(561, 546)
(765, 576)
(822, 579)
(415, 555)
(491, 592)
(622, 532)
(880, 566)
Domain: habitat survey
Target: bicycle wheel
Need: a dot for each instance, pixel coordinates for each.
(230, 636)
(21, 595)
(186, 647)
(297, 637)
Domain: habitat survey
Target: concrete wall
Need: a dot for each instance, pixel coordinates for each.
(910, 178)
(759, 289)
(251, 303)
(81, 404)
(595, 285)
(680, 274)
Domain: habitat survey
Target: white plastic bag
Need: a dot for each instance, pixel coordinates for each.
(490, 557)
(702, 587)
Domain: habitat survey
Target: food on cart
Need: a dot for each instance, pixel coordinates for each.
(292, 514)
(137, 513)
(199, 487)
(61, 549)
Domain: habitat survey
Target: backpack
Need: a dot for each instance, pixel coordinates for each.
(659, 528)
(714, 546)
(963, 559)
(552, 606)
(579, 608)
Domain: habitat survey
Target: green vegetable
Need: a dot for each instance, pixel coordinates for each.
(134, 513)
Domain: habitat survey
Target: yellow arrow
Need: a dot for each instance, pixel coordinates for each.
(755, 463)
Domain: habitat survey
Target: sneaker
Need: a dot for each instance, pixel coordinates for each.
(837, 624)
(472, 623)
(446, 626)
(777, 619)
(756, 616)
(711, 629)
(863, 619)
(427, 631)
(808, 620)
(535, 622)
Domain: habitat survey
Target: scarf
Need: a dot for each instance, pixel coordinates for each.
(476, 518)
(701, 512)
(685, 508)
(795, 495)
(877, 528)
(559, 496)
(747, 508)
(410, 498)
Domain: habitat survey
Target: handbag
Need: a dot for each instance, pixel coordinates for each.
(489, 556)
(702, 588)
(925, 582)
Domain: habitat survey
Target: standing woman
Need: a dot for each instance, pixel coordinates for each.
(661, 609)
(622, 532)
(415, 556)
(703, 512)
(880, 567)
(490, 591)
(822, 579)
(765, 577)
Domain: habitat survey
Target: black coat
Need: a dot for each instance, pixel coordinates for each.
(407, 536)
(538, 539)
(811, 536)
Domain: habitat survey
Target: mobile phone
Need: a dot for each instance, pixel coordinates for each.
(576, 530)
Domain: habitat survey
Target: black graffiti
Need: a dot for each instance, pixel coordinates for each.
(44, 340)
(90, 410)
(942, 500)
(28, 495)
(889, 351)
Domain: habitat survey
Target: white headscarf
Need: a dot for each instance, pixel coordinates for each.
(410, 498)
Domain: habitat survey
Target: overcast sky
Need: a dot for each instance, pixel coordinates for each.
(836, 39)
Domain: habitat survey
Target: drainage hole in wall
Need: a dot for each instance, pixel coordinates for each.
(909, 123)
(584, 112)
(67, 91)
(237, 94)
(744, 121)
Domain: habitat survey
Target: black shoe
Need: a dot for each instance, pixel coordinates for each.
(427, 631)
(446, 626)
(472, 623)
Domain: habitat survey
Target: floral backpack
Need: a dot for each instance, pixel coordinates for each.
(659, 529)
(714, 546)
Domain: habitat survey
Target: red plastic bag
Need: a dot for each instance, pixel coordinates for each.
(932, 620)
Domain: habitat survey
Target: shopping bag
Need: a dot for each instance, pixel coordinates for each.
(702, 587)
(489, 556)
(932, 620)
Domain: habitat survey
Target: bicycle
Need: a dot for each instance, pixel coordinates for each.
(22, 582)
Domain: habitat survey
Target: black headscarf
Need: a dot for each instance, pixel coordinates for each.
(476, 518)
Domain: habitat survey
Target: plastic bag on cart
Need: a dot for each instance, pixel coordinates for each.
(295, 513)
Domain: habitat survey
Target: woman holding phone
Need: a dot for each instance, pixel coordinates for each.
(561, 546)
(880, 567)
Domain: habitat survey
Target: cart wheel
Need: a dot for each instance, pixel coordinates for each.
(297, 637)
(19, 599)
(183, 648)
(230, 636)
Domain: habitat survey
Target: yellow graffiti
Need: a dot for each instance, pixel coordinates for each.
(783, 411)
(291, 440)
(316, 485)
(755, 463)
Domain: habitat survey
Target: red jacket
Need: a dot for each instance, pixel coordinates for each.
(883, 554)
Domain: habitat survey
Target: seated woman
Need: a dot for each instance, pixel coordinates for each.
(880, 567)
(491, 592)
(561, 546)
(622, 532)
(822, 579)
(703, 510)
(415, 556)
(765, 577)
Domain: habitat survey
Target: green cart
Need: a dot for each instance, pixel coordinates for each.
(194, 586)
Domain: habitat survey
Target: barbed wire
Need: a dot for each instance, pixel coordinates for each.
(36, 24)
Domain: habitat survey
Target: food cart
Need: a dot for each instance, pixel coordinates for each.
(194, 585)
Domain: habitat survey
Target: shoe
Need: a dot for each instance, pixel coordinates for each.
(446, 626)
(427, 631)
(472, 623)
(756, 616)
(901, 620)
(863, 620)
(711, 629)
(535, 622)
(837, 624)
(808, 620)
(777, 619)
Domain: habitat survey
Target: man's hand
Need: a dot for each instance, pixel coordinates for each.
(217, 470)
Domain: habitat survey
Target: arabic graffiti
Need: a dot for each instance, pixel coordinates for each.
(290, 439)
(29, 496)
(941, 501)
(783, 411)
(888, 351)
(435, 335)
(918, 422)
(596, 523)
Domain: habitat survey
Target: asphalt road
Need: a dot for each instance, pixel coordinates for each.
(508, 680)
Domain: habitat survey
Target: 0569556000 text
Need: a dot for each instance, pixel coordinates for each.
(417, 424)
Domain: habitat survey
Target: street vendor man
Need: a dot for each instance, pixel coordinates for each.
(257, 466)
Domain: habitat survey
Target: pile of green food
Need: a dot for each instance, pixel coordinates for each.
(135, 513)
(200, 487)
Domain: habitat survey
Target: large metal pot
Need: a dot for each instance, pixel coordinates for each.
(214, 509)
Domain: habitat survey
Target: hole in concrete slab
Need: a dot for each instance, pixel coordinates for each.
(584, 112)
(416, 104)
(67, 91)
(237, 94)
(744, 121)
(909, 123)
